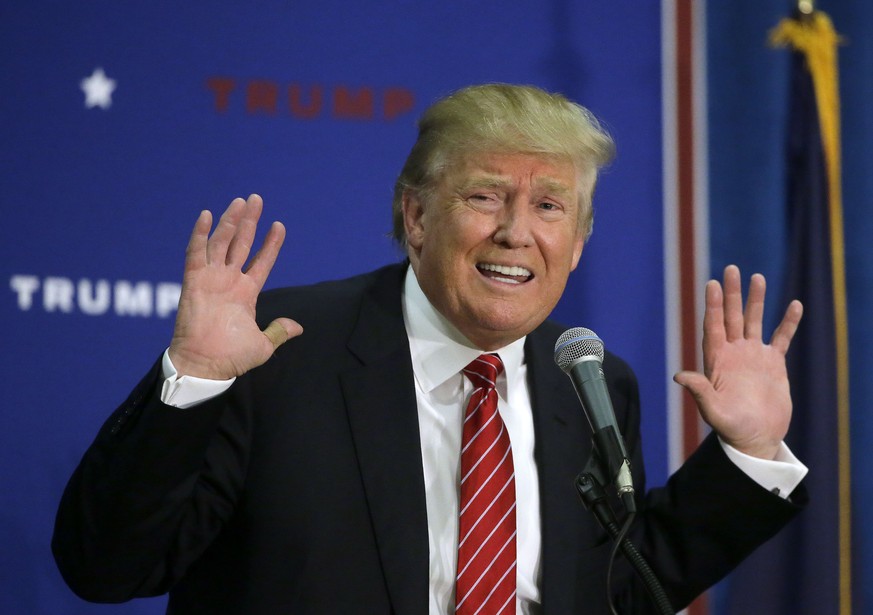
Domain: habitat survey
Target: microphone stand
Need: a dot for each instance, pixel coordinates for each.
(589, 484)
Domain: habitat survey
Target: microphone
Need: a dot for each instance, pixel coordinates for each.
(579, 353)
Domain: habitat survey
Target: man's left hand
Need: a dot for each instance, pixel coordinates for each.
(743, 393)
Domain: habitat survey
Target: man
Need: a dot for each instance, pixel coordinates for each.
(326, 474)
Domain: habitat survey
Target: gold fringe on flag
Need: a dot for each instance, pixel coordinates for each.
(814, 36)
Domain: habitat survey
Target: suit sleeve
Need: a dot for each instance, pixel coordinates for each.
(700, 525)
(149, 495)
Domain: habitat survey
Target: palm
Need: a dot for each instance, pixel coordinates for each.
(216, 335)
(743, 393)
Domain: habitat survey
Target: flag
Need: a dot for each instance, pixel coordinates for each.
(806, 569)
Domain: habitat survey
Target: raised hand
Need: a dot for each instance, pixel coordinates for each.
(743, 393)
(216, 335)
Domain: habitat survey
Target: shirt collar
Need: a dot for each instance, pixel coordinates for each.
(439, 351)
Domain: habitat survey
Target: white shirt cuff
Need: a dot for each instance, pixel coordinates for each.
(186, 391)
(779, 476)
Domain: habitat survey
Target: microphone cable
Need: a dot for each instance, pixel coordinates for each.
(594, 499)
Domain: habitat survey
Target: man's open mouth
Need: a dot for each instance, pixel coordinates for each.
(504, 273)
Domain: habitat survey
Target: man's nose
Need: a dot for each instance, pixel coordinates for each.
(514, 225)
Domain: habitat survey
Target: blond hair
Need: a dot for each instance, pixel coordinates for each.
(503, 118)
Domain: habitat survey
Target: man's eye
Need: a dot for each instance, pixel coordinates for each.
(548, 206)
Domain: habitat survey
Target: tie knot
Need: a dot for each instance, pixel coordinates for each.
(483, 370)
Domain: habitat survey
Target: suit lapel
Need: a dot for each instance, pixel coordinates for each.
(380, 399)
(562, 448)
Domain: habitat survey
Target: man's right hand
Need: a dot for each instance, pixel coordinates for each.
(216, 336)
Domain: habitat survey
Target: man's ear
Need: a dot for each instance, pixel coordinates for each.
(577, 251)
(413, 212)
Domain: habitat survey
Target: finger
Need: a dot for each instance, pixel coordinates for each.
(784, 333)
(755, 307)
(195, 253)
(216, 248)
(281, 330)
(713, 323)
(262, 262)
(241, 244)
(733, 303)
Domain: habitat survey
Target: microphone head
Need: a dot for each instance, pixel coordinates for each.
(576, 344)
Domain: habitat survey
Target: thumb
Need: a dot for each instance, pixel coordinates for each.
(695, 383)
(281, 330)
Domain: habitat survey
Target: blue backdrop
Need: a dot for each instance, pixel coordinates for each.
(312, 105)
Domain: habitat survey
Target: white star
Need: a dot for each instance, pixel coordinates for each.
(98, 89)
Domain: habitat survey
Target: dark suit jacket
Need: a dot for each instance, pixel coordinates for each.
(301, 489)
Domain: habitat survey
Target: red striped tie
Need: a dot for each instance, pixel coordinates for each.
(486, 536)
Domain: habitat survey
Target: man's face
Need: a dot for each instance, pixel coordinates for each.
(495, 245)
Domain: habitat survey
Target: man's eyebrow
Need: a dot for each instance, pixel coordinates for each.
(554, 186)
(486, 181)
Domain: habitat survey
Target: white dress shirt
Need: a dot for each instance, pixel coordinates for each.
(439, 353)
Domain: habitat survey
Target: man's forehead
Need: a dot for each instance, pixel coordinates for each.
(544, 172)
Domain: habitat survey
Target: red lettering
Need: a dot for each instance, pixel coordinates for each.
(297, 106)
(308, 101)
(262, 96)
(396, 102)
(357, 105)
(222, 87)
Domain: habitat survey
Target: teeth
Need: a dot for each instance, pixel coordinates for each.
(502, 269)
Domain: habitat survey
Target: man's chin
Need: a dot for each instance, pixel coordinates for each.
(495, 331)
